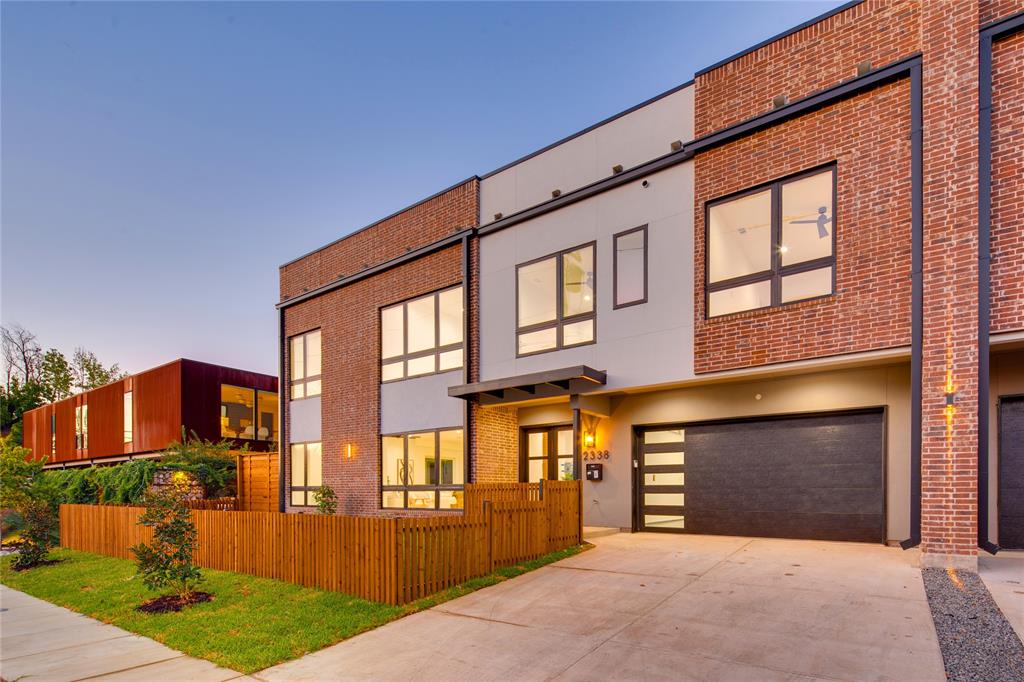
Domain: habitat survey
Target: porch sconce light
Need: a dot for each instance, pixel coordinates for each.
(950, 399)
(589, 439)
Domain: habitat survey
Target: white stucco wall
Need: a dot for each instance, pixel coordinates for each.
(421, 403)
(630, 140)
(640, 345)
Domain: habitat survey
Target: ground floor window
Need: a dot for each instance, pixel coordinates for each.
(307, 472)
(423, 470)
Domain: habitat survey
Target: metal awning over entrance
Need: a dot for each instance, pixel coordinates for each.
(551, 383)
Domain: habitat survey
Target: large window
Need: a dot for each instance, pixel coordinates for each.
(305, 365)
(555, 301)
(424, 470)
(128, 435)
(772, 245)
(421, 336)
(247, 414)
(630, 267)
(82, 427)
(307, 473)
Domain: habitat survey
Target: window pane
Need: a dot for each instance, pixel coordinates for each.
(451, 499)
(664, 499)
(450, 308)
(421, 324)
(578, 332)
(807, 285)
(537, 298)
(578, 281)
(392, 330)
(298, 371)
(298, 465)
(312, 388)
(630, 263)
(236, 412)
(665, 479)
(564, 442)
(538, 469)
(566, 469)
(393, 464)
(660, 521)
(656, 458)
(267, 413)
(127, 417)
(418, 366)
(313, 354)
(807, 218)
(449, 360)
(537, 444)
(298, 498)
(537, 341)
(314, 465)
(298, 391)
(746, 297)
(392, 499)
(740, 236)
(452, 458)
(664, 436)
(421, 459)
(391, 370)
(420, 499)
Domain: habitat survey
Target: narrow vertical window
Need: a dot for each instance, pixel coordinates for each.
(128, 435)
(630, 267)
(306, 472)
(304, 351)
(267, 416)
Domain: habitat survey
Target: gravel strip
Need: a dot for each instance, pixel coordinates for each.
(977, 641)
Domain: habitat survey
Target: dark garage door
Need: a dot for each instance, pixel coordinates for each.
(809, 476)
(1011, 473)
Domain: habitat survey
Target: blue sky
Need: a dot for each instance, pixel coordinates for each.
(159, 161)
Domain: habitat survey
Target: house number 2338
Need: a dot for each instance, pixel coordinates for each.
(594, 455)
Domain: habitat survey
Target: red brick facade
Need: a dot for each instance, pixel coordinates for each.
(871, 305)
(1008, 183)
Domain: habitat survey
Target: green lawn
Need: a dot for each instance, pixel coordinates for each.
(252, 623)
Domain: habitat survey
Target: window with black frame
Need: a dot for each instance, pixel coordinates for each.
(422, 336)
(306, 472)
(555, 301)
(772, 245)
(423, 470)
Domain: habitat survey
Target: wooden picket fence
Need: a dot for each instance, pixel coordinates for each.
(217, 503)
(392, 560)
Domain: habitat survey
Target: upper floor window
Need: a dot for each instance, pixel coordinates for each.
(128, 417)
(630, 267)
(81, 427)
(305, 365)
(555, 301)
(772, 245)
(247, 414)
(422, 336)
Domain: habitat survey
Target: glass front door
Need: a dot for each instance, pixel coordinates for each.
(548, 454)
(660, 480)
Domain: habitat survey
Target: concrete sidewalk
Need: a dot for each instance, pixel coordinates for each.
(40, 641)
(1003, 575)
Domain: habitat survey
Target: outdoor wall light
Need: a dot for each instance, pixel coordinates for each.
(589, 439)
(348, 450)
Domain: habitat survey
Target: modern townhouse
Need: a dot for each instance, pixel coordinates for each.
(140, 415)
(783, 299)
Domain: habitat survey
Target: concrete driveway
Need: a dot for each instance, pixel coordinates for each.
(665, 607)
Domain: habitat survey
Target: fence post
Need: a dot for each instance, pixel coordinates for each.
(541, 484)
(489, 525)
(579, 510)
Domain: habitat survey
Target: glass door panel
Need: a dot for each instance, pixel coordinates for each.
(661, 480)
(536, 455)
(565, 459)
(548, 454)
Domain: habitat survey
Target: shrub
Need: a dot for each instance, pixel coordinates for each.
(23, 489)
(212, 463)
(167, 560)
(38, 534)
(326, 500)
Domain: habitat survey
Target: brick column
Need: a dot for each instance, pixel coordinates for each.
(949, 504)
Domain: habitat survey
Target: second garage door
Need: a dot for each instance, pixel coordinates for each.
(809, 476)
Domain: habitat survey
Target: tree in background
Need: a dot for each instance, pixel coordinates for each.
(56, 376)
(88, 372)
(16, 399)
(21, 354)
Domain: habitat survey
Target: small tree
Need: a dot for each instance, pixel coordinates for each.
(23, 489)
(326, 500)
(38, 534)
(167, 560)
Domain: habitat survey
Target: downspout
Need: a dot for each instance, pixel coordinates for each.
(917, 301)
(282, 387)
(466, 358)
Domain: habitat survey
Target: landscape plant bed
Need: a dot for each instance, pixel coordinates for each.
(250, 624)
(172, 603)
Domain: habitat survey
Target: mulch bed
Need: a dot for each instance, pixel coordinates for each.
(172, 603)
(977, 641)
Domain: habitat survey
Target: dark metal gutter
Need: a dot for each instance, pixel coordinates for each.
(282, 391)
(987, 37)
